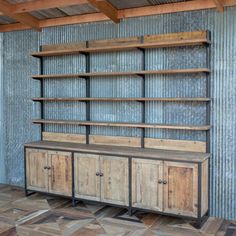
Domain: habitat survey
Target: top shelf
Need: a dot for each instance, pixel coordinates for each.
(149, 41)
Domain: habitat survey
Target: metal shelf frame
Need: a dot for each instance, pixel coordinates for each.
(200, 219)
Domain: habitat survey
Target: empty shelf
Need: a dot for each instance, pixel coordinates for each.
(122, 99)
(124, 124)
(138, 73)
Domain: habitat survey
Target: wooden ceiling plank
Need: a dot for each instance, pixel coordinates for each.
(106, 8)
(24, 18)
(70, 20)
(219, 5)
(126, 13)
(45, 4)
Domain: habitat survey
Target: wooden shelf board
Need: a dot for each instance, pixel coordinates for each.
(148, 72)
(123, 124)
(122, 151)
(123, 99)
(176, 43)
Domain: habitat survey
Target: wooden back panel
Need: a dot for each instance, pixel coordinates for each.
(163, 144)
(132, 41)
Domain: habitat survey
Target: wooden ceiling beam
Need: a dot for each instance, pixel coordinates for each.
(24, 18)
(44, 4)
(170, 8)
(219, 5)
(123, 14)
(106, 8)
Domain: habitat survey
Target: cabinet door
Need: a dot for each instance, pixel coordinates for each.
(147, 192)
(114, 180)
(37, 175)
(181, 189)
(60, 174)
(87, 183)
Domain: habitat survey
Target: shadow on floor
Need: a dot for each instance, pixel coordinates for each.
(49, 216)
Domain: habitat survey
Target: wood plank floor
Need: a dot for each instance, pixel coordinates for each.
(51, 216)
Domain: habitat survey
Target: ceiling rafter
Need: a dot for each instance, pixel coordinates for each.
(45, 4)
(24, 18)
(106, 8)
(219, 5)
(122, 14)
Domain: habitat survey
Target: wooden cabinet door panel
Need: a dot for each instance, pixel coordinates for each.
(87, 183)
(114, 182)
(60, 174)
(147, 193)
(181, 190)
(37, 176)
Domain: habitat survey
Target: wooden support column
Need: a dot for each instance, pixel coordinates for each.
(219, 5)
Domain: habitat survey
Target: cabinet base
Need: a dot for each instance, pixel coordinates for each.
(199, 222)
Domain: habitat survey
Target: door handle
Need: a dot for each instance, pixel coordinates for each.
(46, 167)
(160, 181)
(97, 174)
(164, 182)
(101, 174)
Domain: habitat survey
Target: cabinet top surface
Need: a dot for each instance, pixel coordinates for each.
(121, 151)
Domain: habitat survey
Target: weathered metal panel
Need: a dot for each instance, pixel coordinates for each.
(18, 66)
(18, 89)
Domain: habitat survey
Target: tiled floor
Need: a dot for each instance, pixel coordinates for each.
(49, 216)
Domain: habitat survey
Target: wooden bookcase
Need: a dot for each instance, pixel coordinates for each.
(100, 162)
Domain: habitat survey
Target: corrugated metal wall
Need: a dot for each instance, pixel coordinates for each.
(18, 89)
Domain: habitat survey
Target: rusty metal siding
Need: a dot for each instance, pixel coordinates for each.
(18, 109)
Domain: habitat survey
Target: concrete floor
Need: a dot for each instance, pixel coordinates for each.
(49, 216)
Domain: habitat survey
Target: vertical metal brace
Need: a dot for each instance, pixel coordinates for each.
(87, 55)
(73, 180)
(130, 186)
(26, 192)
(208, 94)
(41, 93)
(143, 94)
(208, 115)
(199, 213)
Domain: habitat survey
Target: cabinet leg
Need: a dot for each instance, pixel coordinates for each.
(73, 202)
(27, 193)
(130, 212)
(201, 221)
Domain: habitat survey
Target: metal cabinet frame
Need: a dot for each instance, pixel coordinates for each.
(200, 220)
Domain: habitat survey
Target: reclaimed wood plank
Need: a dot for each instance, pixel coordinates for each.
(122, 73)
(121, 151)
(150, 41)
(124, 124)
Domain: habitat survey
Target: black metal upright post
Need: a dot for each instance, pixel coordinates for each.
(41, 93)
(208, 94)
(87, 55)
(208, 116)
(199, 204)
(73, 179)
(143, 95)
